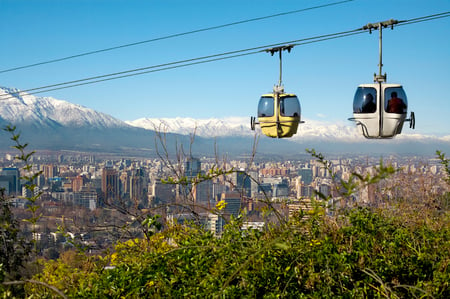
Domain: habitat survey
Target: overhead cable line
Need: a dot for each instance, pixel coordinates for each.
(424, 19)
(173, 36)
(80, 82)
(187, 62)
(214, 57)
(169, 67)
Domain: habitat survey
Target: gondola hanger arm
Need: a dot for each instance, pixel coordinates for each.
(278, 88)
(380, 25)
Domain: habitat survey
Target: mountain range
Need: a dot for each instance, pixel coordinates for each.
(51, 124)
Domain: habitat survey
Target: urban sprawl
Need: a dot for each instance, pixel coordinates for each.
(97, 200)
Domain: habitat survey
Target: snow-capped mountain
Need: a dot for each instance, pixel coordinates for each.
(51, 124)
(213, 127)
(21, 107)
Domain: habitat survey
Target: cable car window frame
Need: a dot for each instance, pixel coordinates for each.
(287, 103)
(359, 98)
(266, 104)
(400, 95)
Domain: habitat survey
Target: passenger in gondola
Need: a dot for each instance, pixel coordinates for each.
(369, 105)
(395, 104)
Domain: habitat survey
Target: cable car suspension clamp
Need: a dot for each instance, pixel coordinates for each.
(383, 24)
(379, 78)
(279, 49)
(277, 89)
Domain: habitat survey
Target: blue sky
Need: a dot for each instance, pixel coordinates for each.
(324, 75)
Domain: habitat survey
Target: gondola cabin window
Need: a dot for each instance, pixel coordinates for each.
(266, 107)
(365, 100)
(395, 100)
(289, 106)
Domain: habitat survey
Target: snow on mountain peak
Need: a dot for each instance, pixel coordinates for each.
(17, 106)
(212, 127)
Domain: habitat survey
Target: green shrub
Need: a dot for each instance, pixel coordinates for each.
(359, 254)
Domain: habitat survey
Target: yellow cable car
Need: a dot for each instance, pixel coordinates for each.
(278, 112)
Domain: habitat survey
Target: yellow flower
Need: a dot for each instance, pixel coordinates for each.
(113, 257)
(221, 205)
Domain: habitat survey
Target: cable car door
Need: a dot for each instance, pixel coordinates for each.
(366, 110)
(393, 113)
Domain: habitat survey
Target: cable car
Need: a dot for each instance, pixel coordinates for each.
(278, 112)
(379, 108)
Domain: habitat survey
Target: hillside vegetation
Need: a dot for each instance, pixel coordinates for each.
(362, 253)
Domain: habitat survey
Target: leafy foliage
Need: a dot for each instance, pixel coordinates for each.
(446, 163)
(29, 176)
(14, 249)
(359, 254)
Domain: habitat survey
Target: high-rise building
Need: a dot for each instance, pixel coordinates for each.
(77, 183)
(214, 224)
(41, 181)
(110, 184)
(254, 182)
(304, 191)
(203, 192)
(307, 175)
(163, 193)
(124, 186)
(280, 190)
(137, 187)
(192, 167)
(10, 180)
(241, 182)
(265, 189)
(233, 203)
(50, 171)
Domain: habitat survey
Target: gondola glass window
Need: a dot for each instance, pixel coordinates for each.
(395, 100)
(265, 107)
(365, 100)
(289, 106)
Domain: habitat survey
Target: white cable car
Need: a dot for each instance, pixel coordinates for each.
(380, 109)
